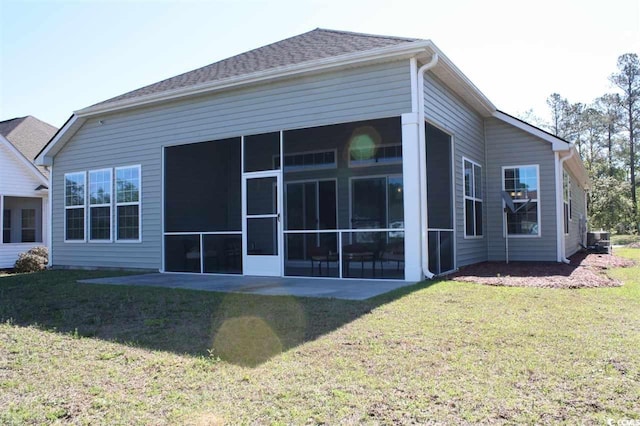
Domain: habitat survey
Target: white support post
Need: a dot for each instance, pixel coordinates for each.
(411, 183)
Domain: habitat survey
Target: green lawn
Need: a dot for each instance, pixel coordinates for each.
(448, 352)
(624, 239)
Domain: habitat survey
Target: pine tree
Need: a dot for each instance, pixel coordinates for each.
(628, 80)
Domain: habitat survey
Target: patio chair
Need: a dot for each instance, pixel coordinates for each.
(393, 252)
(358, 253)
(321, 254)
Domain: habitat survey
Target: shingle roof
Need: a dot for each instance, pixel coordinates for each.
(28, 134)
(313, 45)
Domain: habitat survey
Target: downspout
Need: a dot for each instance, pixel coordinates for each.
(50, 217)
(423, 165)
(560, 204)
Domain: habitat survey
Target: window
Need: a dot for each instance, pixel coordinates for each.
(28, 225)
(128, 203)
(522, 185)
(308, 161)
(6, 226)
(100, 205)
(368, 154)
(377, 202)
(472, 199)
(74, 195)
(567, 201)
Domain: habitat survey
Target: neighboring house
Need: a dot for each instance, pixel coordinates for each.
(326, 154)
(23, 187)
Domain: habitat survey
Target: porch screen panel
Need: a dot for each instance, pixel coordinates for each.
(439, 185)
(203, 207)
(203, 187)
(337, 179)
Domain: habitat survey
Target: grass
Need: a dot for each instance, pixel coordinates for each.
(624, 239)
(446, 352)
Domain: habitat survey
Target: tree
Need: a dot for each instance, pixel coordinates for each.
(610, 106)
(609, 204)
(627, 79)
(591, 129)
(559, 107)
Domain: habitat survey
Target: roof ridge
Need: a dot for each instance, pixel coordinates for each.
(41, 121)
(315, 44)
(368, 34)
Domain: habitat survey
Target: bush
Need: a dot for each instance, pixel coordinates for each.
(36, 259)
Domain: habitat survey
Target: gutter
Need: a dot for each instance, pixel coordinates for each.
(424, 225)
(561, 243)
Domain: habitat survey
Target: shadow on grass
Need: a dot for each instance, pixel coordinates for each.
(239, 328)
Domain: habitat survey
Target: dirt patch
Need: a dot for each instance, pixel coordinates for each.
(584, 271)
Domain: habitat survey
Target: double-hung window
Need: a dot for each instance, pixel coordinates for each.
(6, 226)
(522, 183)
(472, 199)
(100, 205)
(28, 225)
(128, 203)
(566, 197)
(74, 206)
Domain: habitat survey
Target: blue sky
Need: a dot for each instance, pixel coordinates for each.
(60, 56)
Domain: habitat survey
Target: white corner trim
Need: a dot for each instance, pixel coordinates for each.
(37, 173)
(556, 143)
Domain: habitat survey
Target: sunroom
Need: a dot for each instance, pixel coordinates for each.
(315, 202)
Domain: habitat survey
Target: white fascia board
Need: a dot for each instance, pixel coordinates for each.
(37, 173)
(377, 55)
(556, 143)
(577, 168)
(45, 158)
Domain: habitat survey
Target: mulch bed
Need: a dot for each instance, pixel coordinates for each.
(584, 271)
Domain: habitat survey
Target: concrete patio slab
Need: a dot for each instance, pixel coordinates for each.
(271, 286)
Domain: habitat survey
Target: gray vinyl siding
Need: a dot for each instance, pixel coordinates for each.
(448, 112)
(578, 214)
(137, 137)
(509, 146)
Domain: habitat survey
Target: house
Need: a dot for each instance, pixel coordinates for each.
(23, 187)
(328, 154)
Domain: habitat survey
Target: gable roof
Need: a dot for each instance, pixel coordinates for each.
(316, 51)
(575, 164)
(28, 135)
(313, 45)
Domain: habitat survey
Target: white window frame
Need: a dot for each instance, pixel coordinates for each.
(90, 206)
(133, 203)
(83, 206)
(537, 200)
(373, 163)
(471, 198)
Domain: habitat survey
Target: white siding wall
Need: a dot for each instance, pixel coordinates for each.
(16, 180)
(137, 137)
(509, 146)
(445, 110)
